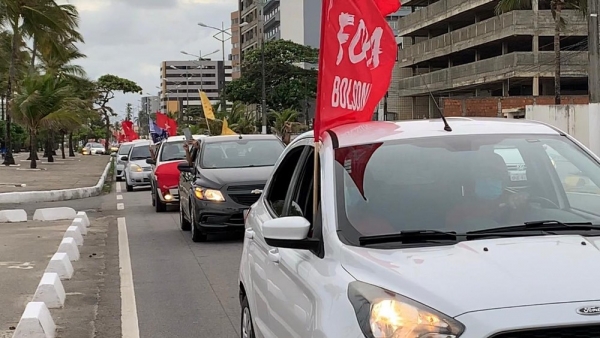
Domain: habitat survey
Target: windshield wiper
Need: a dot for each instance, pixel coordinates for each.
(544, 225)
(410, 236)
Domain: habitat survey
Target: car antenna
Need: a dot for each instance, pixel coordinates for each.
(446, 125)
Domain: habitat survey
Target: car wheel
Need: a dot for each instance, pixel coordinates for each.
(184, 224)
(158, 204)
(127, 186)
(119, 179)
(197, 236)
(247, 328)
(153, 196)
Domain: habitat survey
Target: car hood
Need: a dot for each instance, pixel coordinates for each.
(485, 274)
(221, 177)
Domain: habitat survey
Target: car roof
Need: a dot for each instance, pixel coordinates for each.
(182, 138)
(225, 138)
(140, 144)
(380, 131)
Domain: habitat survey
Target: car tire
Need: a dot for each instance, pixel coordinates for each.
(197, 236)
(153, 196)
(158, 204)
(246, 327)
(119, 179)
(184, 224)
(128, 187)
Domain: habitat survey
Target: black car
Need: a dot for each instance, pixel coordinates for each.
(227, 177)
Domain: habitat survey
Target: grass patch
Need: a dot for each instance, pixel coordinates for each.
(109, 178)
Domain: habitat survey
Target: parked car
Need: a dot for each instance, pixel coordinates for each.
(226, 179)
(165, 174)
(137, 171)
(122, 153)
(415, 233)
(93, 148)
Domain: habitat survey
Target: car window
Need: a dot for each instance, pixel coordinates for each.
(281, 181)
(240, 154)
(301, 192)
(172, 151)
(140, 153)
(124, 149)
(461, 183)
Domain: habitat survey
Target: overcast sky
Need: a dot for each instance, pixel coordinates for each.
(129, 38)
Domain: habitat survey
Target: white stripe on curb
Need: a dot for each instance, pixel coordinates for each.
(54, 214)
(55, 195)
(129, 318)
(69, 246)
(36, 322)
(50, 291)
(80, 224)
(120, 206)
(73, 231)
(60, 264)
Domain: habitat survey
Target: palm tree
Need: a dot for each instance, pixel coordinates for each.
(45, 101)
(556, 7)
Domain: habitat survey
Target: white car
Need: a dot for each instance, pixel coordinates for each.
(417, 235)
(93, 148)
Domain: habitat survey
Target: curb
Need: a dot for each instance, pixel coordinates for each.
(55, 195)
(36, 321)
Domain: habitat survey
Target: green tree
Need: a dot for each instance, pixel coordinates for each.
(106, 87)
(287, 85)
(129, 112)
(556, 7)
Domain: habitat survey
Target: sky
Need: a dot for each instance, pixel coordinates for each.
(130, 38)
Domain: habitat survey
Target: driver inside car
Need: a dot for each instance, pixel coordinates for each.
(486, 202)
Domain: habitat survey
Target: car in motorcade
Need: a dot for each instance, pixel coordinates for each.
(227, 177)
(165, 174)
(137, 172)
(415, 234)
(122, 153)
(93, 148)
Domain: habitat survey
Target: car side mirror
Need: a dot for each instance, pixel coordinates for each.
(289, 233)
(150, 161)
(184, 167)
(124, 158)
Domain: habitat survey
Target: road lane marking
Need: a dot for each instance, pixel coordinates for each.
(120, 206)
(118, 186)
(129, 318)
(119, 197)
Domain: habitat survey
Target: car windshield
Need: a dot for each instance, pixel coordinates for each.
(140, 153)
(464, 183)
(124, 149)
(172, 151)
(241, 153)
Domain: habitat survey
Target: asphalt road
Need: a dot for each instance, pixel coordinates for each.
(182, 289)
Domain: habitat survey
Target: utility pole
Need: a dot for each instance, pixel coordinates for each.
(594, 51)
(262, 61)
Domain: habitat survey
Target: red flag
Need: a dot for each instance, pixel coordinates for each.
(130, 135)
(166, 123)
(387, 7)
(355, 160)
(357, 56)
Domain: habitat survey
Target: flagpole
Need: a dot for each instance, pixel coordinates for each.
(316, 183)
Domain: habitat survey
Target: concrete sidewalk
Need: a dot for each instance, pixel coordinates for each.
(73, 172)
(25, 250)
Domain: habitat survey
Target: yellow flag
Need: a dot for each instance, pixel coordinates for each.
(206, 106)
(225, 130)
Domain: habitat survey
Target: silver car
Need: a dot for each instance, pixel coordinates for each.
(137, 172)
(122, 153)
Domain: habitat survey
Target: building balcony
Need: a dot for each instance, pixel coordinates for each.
(496, 69)
(441, 13)
(272, 21)
(270, 4)
(272, 37)
(515, 23)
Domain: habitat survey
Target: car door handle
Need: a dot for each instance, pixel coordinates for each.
(274, 255)
(249, 233)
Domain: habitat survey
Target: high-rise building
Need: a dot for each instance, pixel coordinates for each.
(272, 19)
(236, 51)
(249, 25)
(150, 104)
(181, 82)
(301, 21)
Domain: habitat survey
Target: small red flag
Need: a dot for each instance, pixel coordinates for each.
(166, 123)
(130, 134)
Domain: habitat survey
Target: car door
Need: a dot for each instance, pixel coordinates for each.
(156, 155)
(186, 181)
(271, 205)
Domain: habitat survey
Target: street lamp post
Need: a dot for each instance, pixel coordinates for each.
(222, 39)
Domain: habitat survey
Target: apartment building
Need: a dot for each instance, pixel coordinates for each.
(272, 19)
(462, 58)
(236, 51)
(250, 29)
(150, 104)
(181, 82)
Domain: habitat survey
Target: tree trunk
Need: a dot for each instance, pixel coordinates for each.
(62, 145)
(106, 142)
(33, 54)
(49, 147)
(558, 10)
(33, 149)
(71, 150)
(12, 79)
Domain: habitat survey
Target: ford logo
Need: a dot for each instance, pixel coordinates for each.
(589, 311)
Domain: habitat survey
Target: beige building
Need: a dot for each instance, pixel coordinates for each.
(236, 57)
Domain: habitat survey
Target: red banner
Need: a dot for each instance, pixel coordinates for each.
(356, 59)
(130, 134)
(166, 123)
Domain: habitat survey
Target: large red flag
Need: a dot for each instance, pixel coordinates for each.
(166, 123)
(356, 59)
(130, 134)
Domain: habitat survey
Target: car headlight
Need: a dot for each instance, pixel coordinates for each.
(208, 194)
(385, 314)
(136, 168)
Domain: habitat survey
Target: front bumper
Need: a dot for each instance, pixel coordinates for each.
(217, 217)
(138, 179)
(120, 170)
(544, 321)
(171, 191)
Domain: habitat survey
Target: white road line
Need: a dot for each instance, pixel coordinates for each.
(120, 206)
(129, 318)
(119, 197)
(118, 186)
